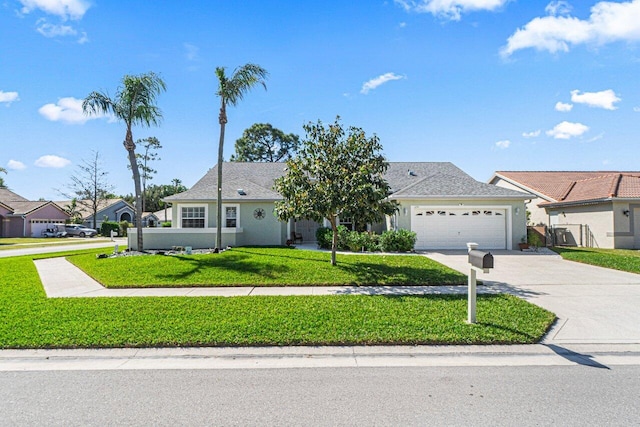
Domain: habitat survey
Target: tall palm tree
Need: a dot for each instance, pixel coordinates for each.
(231, 90)
(134, 104)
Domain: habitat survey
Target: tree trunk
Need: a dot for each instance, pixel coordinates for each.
(223, 121)
(131, 150)
(334, 242)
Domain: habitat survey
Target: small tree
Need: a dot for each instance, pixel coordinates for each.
(2, 183)
(264, 143)
(88, 187)
(335, 174)
(149, 154)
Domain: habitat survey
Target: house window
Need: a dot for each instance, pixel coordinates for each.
(231, 216)
(193, 217)
(347, 222)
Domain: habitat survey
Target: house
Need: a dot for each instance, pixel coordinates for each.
(116, 210)
(444, 206)
(20, 217)
(163, 215)
(585, 208)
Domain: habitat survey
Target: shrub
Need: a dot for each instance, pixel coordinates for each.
(398, 241)
(324, 237)
(107, 226)
(166, 224)
(123, 227)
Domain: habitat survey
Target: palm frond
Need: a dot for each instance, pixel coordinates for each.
(244, 78)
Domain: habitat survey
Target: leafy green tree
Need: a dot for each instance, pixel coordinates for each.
(2, 183)
(335, 173)
(74, 211)
(133, 104)
(88, 187)
(231, 90)
(264, 143)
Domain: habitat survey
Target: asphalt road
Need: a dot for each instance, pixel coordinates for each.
(485, 396)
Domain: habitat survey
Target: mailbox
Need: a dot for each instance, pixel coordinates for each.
(481, 260)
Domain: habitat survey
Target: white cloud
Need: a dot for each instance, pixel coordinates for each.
(533, 134)
(603, 99)
(567, 130)
(65, 9)
(558, 8)
(503, 144)
(16, 165)
(9, 97)
(53, 30)
(561, 106)
(191, 51)
(67, 110)
(51, 161)
(609, 22)
(636, 109)
(377, 81)
(450, 9)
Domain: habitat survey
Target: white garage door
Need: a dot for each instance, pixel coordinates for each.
(453, 228)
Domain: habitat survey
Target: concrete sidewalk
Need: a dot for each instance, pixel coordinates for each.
(51, 247)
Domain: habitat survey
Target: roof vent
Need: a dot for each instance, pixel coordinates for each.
(241, 192)
(411, 173)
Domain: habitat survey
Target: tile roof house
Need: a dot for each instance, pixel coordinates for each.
(594, 208)
(444, 206)
(20, 217)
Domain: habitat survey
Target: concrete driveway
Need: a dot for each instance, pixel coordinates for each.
(593, 304)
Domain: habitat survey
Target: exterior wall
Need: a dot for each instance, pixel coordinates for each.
(599, 219)
(49, 213)
(112, 213)
(626, 225)
(515, 214)
(165, 238)
(15, 226)
(538, 215)
(4, 222)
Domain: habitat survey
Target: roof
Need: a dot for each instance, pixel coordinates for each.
(564, 187)
(406, 179)
(162, 217)
(84, 206)
(7, 196)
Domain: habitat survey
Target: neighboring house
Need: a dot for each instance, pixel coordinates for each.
(20, 217)
(150, 219)
(116, 210)
(163, 215)
(586, 208)
(442, 204)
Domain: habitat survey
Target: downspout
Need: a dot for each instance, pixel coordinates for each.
(24, 225)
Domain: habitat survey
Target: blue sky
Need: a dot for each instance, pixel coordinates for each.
(486, 84)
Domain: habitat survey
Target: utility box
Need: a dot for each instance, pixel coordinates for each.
(480, 259)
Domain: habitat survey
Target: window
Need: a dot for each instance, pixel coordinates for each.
(193, 217)
(231, 216)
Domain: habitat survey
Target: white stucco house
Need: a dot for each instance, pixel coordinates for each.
(444, 206)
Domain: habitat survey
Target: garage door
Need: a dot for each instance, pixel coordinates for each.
(453, 228)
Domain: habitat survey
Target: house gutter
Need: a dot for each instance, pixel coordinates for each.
(578, 203)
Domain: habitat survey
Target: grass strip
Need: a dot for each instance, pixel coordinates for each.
(250, 266)
(29, 320)
(617, 259)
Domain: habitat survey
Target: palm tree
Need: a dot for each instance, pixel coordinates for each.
(134, 104)
(231, 91)
(2, 183)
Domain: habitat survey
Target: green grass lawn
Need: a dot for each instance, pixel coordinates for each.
(30, 320)
(617, 259)
(253, 266)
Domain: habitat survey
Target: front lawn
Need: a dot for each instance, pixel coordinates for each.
(30, 320)
(617, 259)
(252, 266)
(38, 242)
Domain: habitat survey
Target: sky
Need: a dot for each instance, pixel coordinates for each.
(485, 84)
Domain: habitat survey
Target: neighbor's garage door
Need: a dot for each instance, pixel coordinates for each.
(454, 228)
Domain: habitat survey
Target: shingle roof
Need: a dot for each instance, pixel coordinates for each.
(578, 186)
(7, 196)
(25, 207)
(406, 179)
(84, 206)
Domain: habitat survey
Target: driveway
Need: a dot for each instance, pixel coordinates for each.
(593, 304)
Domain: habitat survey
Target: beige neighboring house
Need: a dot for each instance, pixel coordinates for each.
(585, 208)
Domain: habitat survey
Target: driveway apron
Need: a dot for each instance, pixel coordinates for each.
(593, 304)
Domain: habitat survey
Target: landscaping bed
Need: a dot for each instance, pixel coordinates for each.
(260, 266)
(30, 320)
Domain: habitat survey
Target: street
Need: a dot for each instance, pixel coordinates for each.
(537, 395)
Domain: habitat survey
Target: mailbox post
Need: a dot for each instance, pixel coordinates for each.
(479, 260)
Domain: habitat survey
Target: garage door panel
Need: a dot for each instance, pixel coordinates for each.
(453, 228)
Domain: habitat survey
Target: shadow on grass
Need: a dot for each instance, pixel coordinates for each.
(376, 274)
